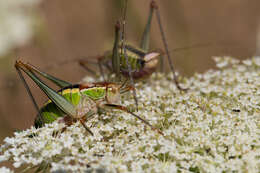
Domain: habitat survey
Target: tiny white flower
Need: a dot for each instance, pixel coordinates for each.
(5, 170)
(256, 61)
(211, 128)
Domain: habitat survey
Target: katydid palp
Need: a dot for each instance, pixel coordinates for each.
(74, 103)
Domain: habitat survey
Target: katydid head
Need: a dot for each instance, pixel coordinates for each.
(151, 60)
(115, 90)
(113, 93)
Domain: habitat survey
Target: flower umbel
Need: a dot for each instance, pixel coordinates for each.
(214, 127)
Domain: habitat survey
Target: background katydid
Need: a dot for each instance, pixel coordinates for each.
(141, 62)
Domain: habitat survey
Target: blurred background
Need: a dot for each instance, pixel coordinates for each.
(50, 31)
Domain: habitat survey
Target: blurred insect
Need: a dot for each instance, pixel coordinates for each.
(74, 103)
(128, 61)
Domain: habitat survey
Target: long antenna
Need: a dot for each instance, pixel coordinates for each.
(125, 54)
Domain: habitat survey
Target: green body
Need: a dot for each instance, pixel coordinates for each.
(134, 60)
(50, 111)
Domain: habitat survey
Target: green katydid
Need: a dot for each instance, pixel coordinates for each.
(74, 102)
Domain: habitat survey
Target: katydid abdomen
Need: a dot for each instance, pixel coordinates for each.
(140, 67)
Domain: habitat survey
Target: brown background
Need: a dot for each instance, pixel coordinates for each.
(85, 28)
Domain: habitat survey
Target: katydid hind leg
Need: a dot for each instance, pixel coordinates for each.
(115, 52)
(145, 41)
(29, 92)
(60, 83)
(59, 100)
(157, 12)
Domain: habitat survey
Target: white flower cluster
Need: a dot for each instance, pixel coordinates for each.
(16, 22)
(213, 127)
